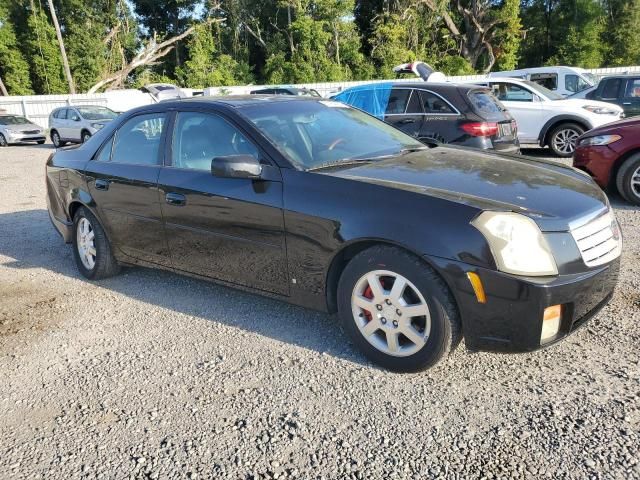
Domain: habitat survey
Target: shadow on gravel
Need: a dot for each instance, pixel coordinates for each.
(31, 241)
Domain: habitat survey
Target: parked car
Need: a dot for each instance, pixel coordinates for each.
(623, 90)
(286, 91)
(611, 155)
(546, 118)
(435, 113)
(17, 129)
(319, 204)
(77, 124)
(564, 81)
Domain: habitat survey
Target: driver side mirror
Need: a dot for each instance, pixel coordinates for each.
(236, 166)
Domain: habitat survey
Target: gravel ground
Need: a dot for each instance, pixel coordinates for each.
(153, 375)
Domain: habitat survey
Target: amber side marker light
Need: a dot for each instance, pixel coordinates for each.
(550, 322)
(478, 289)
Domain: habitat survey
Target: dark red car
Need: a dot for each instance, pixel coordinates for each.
(611, 155)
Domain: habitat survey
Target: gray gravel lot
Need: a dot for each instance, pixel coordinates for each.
(153, 375)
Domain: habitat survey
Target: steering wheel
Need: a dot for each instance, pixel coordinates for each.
(336, 142)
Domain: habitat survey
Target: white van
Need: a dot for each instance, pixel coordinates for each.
(562, 80)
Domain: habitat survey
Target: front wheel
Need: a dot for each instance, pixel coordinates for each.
(563, 139)
(85, 137)
(55, 138)
(397, 310)
(91, 248)
(628, 179)
(3, 141)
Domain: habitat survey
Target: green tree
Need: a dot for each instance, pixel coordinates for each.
(14, 70)
(622, 46)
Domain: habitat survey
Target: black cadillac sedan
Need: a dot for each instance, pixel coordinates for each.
(319, 204)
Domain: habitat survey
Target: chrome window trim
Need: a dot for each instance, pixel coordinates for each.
(424, 113)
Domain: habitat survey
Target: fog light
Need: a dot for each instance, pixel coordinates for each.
(550, 322)
(478, 289)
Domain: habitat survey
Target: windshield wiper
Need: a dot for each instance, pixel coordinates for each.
(339, 163)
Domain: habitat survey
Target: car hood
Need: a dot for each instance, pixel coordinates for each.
(579, 103)
(630, 125)
(553, 195)
(23, 127)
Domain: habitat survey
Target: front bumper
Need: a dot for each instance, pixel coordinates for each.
(25, 137)
(511, 318)
(597, 161)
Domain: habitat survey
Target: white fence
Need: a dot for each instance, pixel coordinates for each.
(38, 107)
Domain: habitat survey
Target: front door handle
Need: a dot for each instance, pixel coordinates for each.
(175, 199)
(626, 103)
(102, 184)
(406, 120)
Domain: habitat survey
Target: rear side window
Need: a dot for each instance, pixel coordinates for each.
(105, 153)
(137, 142)
(484, 102)
(547, 80)
(61, 114)
(633, 88)
(611, 88)
(397, 101)
(433, 104)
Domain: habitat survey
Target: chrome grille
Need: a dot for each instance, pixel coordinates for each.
(598, 240)
(30, 132)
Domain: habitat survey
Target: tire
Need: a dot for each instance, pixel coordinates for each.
(562, 139)
(629, 173)
(40, 142)
(85, 137)
(438, 331)
(104, 265)
(55, 138)
(3, 141)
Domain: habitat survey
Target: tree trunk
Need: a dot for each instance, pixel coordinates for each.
(63, 52)
(3, 89)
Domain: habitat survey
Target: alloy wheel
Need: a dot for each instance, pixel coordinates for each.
(85, 137)
(85, 241)
(635, 182)
(3, 141)
(564, 140)
(391, 313)
(55, 138)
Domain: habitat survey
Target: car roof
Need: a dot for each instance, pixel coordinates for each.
(240, 100)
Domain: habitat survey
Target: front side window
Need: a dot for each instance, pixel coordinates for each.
(611, 88)
(633, 88)
(312, 134)
(434, 104)
(137, 142)
(198, 138)
(507, 92)
(575, 83)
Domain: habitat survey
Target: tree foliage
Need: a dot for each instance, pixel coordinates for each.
(301, 41)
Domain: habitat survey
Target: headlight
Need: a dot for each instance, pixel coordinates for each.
(601, 110)
(97, 126)
(599, 140)
(517, 243)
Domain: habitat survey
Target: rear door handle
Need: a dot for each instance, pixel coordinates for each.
(176, 199)
(102, 184)
(626, 103)
(407, 120)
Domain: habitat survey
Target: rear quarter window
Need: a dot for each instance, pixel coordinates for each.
(486, 104)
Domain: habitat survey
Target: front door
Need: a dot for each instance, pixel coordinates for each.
(123, 181)
(524, 106)
(631, 99)
(231, 229)
(403, 111)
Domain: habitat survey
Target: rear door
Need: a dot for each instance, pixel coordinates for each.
(231, 229)
(123, 181)
(631, 98)
(440, 118)
(404, 111)
(524, 106)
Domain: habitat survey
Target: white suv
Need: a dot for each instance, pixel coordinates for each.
(76, 124)
(546, 118)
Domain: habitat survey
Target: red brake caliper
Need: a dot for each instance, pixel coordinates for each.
(368, 294)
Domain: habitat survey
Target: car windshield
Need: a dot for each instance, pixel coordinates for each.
(13, 120)
(97, 113)
(590, 77)
(314, 134)
(545, 92)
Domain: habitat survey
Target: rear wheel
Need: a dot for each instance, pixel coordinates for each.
(3, 141)
(91, 248)
(563, 139)
(397, 310)
(55, 138)
(628, 179)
